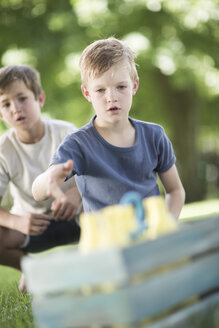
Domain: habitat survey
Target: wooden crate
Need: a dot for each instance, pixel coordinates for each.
(153, 284)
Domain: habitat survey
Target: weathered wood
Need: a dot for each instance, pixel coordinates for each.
(147, 279)
(204, 314)
(46, 273)
(191, 240)
(69, 269)
(133, 302)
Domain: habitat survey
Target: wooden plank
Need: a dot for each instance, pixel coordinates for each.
(204, 314)
(192, 240)
(69, 269)
(45, 274)
(132, 303)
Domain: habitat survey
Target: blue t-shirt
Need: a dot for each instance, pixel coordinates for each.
(104, 173)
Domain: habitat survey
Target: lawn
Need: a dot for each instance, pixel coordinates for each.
(200, 210)
(15, 308)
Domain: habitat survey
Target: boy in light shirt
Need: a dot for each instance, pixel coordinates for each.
(25, 151)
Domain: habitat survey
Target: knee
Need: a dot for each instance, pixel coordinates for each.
(1, 235)
(3, 247)
(1, 240)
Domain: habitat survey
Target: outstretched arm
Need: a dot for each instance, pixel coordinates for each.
(175, 193)
(48, 183)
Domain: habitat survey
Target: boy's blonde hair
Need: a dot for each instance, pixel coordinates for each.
(100, 55)
(27, 74)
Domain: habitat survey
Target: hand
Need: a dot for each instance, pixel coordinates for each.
(66, 206)
(58, 173)
(33, 224)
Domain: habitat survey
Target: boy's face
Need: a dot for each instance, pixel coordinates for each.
(18, 106)
(111, 93)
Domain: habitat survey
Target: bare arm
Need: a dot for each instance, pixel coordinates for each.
(29, 224)
(175, 193)
(48, 183)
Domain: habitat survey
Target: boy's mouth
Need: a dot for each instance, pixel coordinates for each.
(20, 119)
(113, 109)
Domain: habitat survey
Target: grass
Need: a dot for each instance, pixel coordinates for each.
(199, 210)
(15, 308)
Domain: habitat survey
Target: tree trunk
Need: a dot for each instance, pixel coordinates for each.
(183, 115)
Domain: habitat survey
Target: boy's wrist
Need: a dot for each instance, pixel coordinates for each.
(14, 221)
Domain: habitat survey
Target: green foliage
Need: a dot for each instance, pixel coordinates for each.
(177, 47)
(180, 42)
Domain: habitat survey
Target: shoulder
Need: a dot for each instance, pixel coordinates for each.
(8, 150)
(59, 128)
(86, 131)
(59, 124)
(149, 128)
(6, 140)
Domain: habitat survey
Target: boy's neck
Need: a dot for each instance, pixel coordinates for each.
(121, 135)
(32, 135)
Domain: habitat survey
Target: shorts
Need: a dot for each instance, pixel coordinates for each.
(57, 234)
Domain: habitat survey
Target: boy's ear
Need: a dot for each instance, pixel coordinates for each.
(42, 99)
(135, 87)
(85, 93)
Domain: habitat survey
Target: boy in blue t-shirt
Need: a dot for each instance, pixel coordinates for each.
(113, 153)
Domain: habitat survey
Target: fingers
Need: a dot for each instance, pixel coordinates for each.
(63, 209)
(36, 231)
(38, 223)
(58, 206)
(43, 217)
(69, 213)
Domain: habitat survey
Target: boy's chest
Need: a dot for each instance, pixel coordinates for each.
(27, 164)
(120, 137)
(136, 164)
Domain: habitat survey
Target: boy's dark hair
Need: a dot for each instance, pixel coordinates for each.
(27, 74)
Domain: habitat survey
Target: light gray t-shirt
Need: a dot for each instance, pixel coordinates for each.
(21, 163)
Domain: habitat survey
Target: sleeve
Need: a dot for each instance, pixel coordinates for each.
(70, 148)
(4, 176)
(166, 156)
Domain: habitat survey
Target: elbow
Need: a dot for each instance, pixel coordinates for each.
(183, 195)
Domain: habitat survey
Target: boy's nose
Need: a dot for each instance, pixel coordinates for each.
(15, 107)
(111, 95)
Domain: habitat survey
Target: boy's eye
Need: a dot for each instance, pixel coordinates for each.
(122, 87)
(22, 99)
(100, 90)
(6, 105)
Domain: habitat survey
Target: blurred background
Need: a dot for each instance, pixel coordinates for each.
(177, 48)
